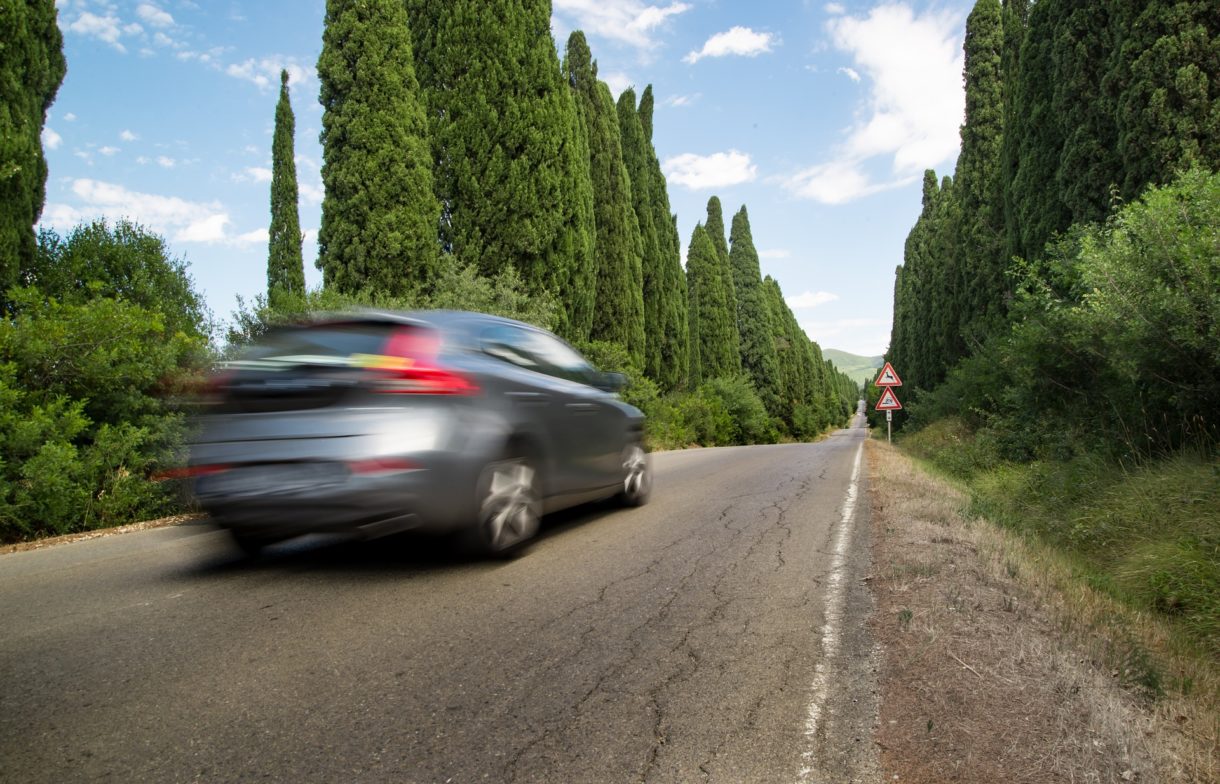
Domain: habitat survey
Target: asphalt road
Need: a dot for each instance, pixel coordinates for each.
(715, 634)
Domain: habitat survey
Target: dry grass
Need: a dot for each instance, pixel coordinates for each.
(999, 666)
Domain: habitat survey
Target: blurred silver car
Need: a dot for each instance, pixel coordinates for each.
(445, 421)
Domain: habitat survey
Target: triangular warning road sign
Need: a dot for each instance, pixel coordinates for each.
(888, 401)
(888, 378)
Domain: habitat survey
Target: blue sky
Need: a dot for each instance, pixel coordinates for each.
(819, 117)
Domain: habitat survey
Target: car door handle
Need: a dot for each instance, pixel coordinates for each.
(529, 398)
(582, 408)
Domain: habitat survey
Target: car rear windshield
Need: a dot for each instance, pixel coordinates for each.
(330, 344)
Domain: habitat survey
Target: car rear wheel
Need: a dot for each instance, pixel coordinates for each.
(509, 508)
(637, 477)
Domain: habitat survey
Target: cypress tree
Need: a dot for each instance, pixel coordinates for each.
(1035, 210)
(980, 263)
(713, 327)
(510, 170)
(32, 67)
(379, 214)
(285, 267)
(1088, 163)
(619, 311)
(635, 160)
(715, 230)
(758, 357)
(672, 293)
(1166, 80)
(1014, 22)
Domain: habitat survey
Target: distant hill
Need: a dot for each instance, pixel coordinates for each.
(862, 369)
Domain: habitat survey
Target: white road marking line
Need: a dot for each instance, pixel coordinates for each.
(820, 688)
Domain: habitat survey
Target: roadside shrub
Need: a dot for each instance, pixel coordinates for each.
(750, 422)
(87, 365)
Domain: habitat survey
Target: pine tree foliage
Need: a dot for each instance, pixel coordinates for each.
(635, 160)
(758, 356)
(285, 266)
(379, 214)
(509, 170)
(674, 330)
(619, 305)
(978, 264)
(1072, 109)
(32, 67)
(715, 231)
(713, 327)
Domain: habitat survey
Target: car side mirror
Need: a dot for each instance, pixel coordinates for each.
(609, 382)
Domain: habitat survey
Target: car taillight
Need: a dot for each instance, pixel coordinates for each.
(381, 465)
(408, 365)
(189, 472)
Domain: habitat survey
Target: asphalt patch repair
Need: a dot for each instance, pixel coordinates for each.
(989, 674)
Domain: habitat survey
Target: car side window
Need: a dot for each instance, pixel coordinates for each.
(559, 359)
(512, 345)
(537, 351)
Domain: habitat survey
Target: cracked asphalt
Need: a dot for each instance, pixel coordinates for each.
(671, 643)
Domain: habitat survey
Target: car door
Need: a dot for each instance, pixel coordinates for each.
(595, 425)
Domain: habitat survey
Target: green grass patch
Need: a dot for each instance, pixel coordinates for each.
(1147, 534)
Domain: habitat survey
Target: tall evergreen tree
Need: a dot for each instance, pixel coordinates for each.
(32, 67)
(1034, 210)
(285, 266)
(1014, 21)
(510, 171)
(715, 231)
(619, 312)
(635, 160)
(1166, 73)
(379, 214)
(675, 331)
(758, 357)
(713, 327)
(979, 272)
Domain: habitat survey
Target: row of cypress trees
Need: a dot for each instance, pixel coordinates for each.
(455, 136)
(1071, 109)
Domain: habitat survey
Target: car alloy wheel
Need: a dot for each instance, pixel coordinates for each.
(508, 506)
(637, 476)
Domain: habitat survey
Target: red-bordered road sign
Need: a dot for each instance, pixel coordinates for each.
(888, 401)
(887, 377)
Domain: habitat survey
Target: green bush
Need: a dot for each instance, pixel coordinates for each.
(88, 365)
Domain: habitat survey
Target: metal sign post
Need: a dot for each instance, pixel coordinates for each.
(887, 380)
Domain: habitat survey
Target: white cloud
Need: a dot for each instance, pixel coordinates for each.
(165, 161)
(104, 28)
(154, 16)
(133, 28)
(850, 73)
(69, 117)
(775, 253)
(108, 150)
(265, 72)
(710, 171)
(50, 139)
(143, 159)
(617, 82)
(310, 194)
(182, 220)
(253, 174)
(128, 136)
(629, 22)
(835, 9)
(740, 41)
(256, 237)
(681, 100)
(912, 65)
(811, 299)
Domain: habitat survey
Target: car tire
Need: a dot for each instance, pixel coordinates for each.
(509, 508)
(637, 476)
